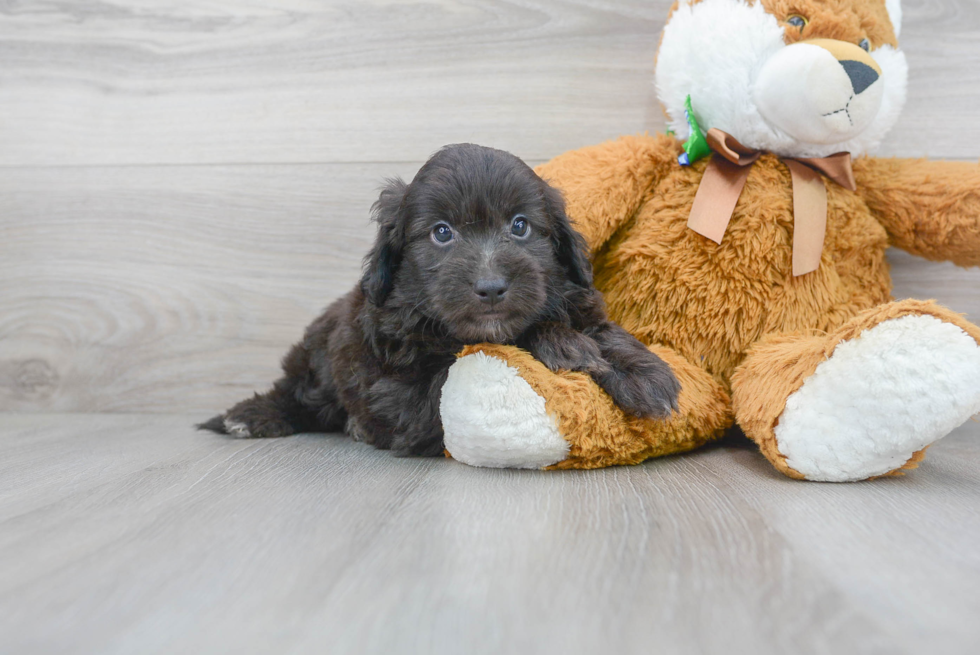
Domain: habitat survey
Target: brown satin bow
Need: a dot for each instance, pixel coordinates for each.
(722, 183)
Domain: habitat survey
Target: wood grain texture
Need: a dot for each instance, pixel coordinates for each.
(118, 284)
(182, 188)
(162, 289)
(297, 81)
(122, 82)
(910, 535)
(159, 285)
(130, 533)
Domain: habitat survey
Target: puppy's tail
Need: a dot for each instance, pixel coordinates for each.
(216, 424)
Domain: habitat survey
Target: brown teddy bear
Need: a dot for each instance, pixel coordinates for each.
(757, 272)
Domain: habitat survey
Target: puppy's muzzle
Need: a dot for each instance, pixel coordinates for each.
(491, 290)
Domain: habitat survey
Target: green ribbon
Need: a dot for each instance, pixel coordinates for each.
(696, 147)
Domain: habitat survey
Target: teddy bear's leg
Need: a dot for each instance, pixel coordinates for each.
(864, 400)
(502, 408)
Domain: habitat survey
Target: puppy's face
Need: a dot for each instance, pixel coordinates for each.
(477, 242)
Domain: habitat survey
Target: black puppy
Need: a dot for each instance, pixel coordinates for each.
(476, 249)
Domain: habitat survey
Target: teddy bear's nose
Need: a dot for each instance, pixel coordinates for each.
(862, 76)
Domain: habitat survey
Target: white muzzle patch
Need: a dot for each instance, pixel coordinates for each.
(807, 92)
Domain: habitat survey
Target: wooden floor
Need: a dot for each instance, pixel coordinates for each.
(135, 534)
(183, 186)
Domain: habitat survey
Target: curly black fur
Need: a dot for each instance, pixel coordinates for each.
(374, 363)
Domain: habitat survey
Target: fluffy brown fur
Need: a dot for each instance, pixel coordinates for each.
(778, 364)
(476, 248)
(602, 434)
(731, 319)
(710, 305)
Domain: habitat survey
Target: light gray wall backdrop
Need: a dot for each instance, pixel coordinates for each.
(184, 185)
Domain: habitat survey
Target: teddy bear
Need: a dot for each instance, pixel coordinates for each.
(746, 248)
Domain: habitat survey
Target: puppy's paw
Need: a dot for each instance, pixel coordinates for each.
(355, 431)
(222, 425)
(260, 427)
(236, 429)
(561, 348)
(214, 424)
(639, 382)
(647, 389)
(257, 417)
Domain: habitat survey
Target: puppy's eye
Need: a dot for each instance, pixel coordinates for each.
(519, 227)
(865, 45)
(442, 233)
(797, 21)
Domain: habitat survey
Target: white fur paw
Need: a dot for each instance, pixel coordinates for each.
(492, 417)
(894, 390)
(237, 429)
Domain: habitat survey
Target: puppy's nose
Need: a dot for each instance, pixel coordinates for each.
(491, 290)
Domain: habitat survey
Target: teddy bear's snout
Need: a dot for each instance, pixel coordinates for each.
(862, 76)
(820, 91)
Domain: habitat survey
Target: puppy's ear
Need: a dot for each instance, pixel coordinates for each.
(383, 259)
(570, 247)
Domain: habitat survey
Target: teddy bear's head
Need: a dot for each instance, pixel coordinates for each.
(800, 78)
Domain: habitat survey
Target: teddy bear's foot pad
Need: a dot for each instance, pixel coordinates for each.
(492, 417)
(879, 398)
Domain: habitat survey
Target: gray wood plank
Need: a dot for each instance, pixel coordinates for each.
(117, 283)
(293, 81)
(133, 534)
(902, 548)
(129, 284)
(318, 82)
(162, 289)
(103, 555)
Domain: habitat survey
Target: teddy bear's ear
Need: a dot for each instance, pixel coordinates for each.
(894, 8)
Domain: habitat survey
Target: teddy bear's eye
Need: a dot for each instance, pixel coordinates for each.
(797, 21)
(865, 45)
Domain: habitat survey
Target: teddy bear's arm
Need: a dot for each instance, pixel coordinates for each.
(929, 208)
(604, 184)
